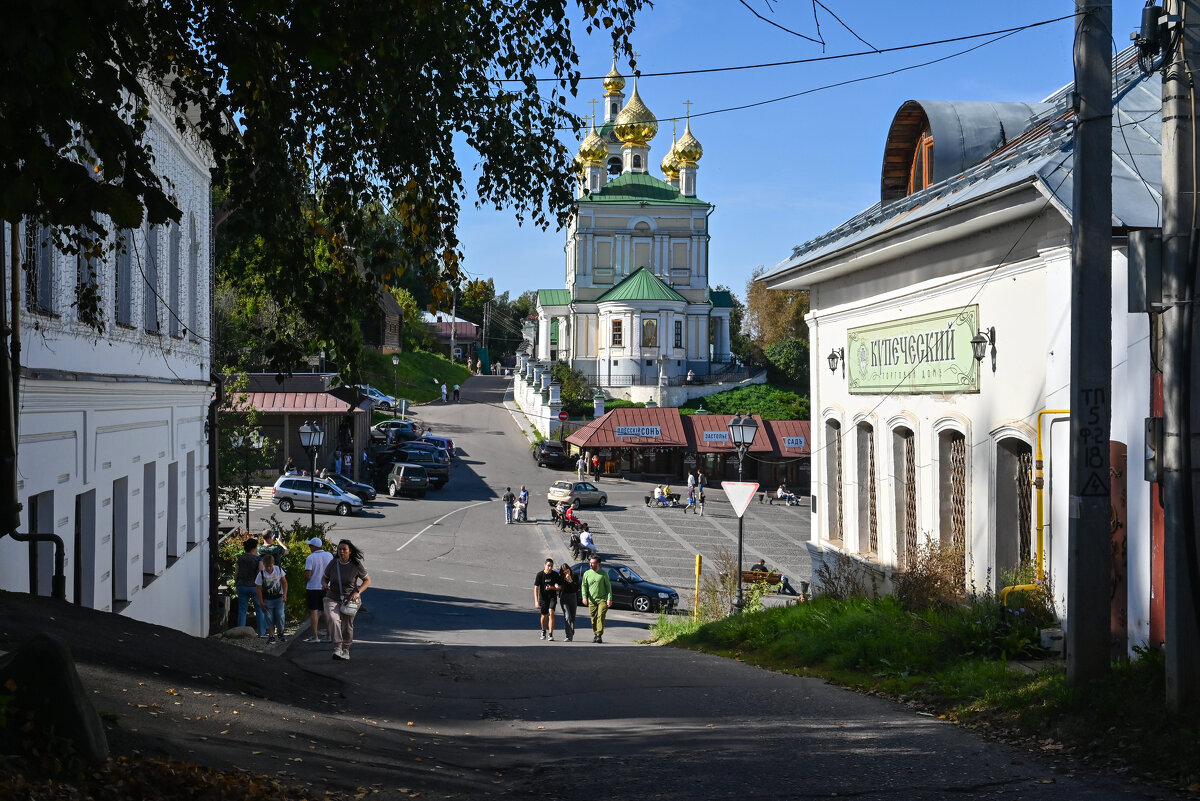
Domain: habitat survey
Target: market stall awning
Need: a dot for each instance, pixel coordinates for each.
(632, 428)
(297, 402)
(709, 433)
(790, 438)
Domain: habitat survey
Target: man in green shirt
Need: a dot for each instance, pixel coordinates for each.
(597, 596)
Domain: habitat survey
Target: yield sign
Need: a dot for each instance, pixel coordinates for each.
(739, 494)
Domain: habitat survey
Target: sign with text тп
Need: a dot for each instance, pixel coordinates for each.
(739, 494)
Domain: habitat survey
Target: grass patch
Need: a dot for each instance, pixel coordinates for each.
(414, 378)
(954, 662)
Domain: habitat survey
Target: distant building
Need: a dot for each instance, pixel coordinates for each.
(969, 247)
(113, 454)
(457, 338)
(636, 310)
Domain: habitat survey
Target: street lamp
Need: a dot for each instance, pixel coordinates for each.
(312, 436)
(742, 430)
(254, 441)
(837, 356)
(395, 384)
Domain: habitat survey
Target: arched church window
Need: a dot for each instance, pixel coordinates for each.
(614, 108)
(921, 173)
(637, 162)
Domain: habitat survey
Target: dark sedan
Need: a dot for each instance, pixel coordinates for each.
(549, 452)
(364, 491)
(631, 590)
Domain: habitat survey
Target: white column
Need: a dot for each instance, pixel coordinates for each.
(543, 344)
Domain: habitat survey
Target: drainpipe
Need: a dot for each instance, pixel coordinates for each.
(58, 583)
(1039, 484)
(214, 534)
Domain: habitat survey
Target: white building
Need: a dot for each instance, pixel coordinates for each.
(971, 238)
(112, 449)
(636, 309)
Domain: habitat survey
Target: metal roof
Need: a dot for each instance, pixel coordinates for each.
(780, 431)
(696, 424)
(554, 297)
(1041, 157)
(640, 187)
(297, 402)
(641, 285)
(720, 298)
(602, 432)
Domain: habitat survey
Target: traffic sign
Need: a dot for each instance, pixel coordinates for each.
(563, 415)
(739, 494)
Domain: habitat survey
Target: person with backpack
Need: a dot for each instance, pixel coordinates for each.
(270, 586)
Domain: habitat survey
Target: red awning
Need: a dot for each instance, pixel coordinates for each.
(716, 426)
(790, 438)
(298, 402)
(632, 428)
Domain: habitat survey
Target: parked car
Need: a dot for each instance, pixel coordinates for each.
(407, 479)
(442, 442)
(402, 430)
(575, 493)
(299, 492)
(549, 452)
(437, 468)
(631, 590)
(382, 400)
(364, 491)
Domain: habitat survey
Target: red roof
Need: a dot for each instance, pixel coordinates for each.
(624, 428)
(299, 402)
(719, 441)
(790, 437)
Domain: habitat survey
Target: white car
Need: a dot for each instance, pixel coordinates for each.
(380, 399)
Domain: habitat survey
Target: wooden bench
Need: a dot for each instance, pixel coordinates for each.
(771, 499)
(760, 577)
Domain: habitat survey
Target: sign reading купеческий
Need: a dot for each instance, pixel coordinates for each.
(914, 355)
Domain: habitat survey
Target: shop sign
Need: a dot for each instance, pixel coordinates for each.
(646, 431)
(795, 442)
(716, 436)
(915, 355)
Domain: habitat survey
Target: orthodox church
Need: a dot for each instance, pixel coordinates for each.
(637, 309)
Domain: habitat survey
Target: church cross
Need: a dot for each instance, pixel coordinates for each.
(689, 105)
(593, 102)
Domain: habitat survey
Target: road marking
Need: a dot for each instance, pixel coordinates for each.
(440, 519)
(446, 578)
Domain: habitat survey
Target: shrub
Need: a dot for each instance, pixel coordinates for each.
(840, 576)
(936, 580)
(295, 538)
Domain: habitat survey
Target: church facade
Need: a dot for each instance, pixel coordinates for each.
(636, 309)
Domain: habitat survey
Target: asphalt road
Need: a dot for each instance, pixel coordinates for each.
(453, 690)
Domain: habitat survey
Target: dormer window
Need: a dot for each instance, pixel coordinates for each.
(920, 174)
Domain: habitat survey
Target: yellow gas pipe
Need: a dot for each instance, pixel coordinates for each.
(1039, 484)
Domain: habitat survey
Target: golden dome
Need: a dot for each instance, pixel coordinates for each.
(614, 81)
(592, 150)
(636, 124)
(670, 164)
(688, 149)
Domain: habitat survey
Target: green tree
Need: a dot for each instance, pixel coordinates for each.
(788, 359)
(575, 392)
(773, 315)
(476, 294)
(243, 454)
(314, 112)
(412, 329)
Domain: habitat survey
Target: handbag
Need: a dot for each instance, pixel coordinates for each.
(347, 607)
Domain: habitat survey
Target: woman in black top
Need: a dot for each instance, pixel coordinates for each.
(570, 596)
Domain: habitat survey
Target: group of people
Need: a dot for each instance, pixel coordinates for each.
(583, 466)
(516, 507)
(592, 589)
(334, 584)
(456, 391)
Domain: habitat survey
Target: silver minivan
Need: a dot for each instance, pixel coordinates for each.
(302, 492)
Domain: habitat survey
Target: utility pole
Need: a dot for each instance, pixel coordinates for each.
(1181, 406)
(453, 319)
(1087, 636)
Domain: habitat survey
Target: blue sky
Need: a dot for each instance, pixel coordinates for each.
(785, 172)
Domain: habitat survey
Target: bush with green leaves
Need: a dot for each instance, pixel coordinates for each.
(295, 537)
(787, 362)
(769, 402)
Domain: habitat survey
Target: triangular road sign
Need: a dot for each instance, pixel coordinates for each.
(739, 494)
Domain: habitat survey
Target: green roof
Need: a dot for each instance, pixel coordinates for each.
(640, 187)
(642, 285)
(720, 299)
(605, 132)
(554, 297)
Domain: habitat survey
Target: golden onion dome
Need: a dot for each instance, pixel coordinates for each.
(614, 81)
(636, 124)
(688, 149)
(670, 164)
(592, 150)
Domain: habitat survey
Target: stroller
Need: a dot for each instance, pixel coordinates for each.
(521, 516)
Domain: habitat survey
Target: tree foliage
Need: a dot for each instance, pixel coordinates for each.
(765, 400)
(575, 393)
(788, 360)
(242, 452)
(773, 315)
(314, 111)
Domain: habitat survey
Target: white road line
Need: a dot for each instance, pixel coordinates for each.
(440, 519)
(446, 578)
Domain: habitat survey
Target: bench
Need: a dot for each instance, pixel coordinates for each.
(760, 577)
(674, 496)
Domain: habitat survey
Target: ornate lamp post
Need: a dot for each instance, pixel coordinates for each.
(742, 430)
(395, 384)
(312, 436)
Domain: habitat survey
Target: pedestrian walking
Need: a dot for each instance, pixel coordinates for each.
(700, 501)
(581, 467)
(271, 591)
(595, 467)
(456, 393)
(510, 500)
(443, 392)
(691, 500)
(245, 578)
(314, 569)
(289, 469)
(570, 596)
(545, 593)
(345, 580)
(597, 596)
(691, 480)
